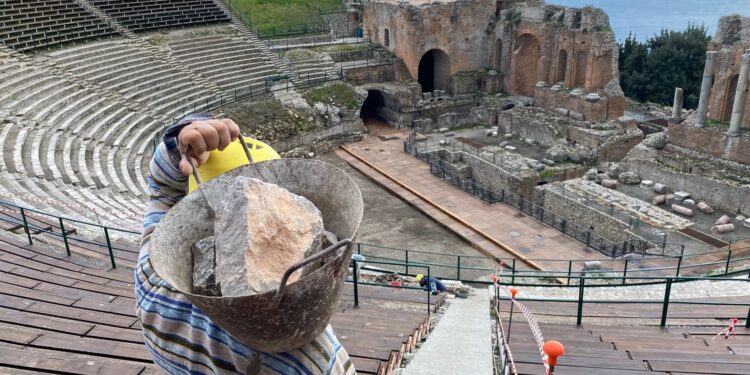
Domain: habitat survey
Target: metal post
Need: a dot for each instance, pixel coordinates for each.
(356, 281)
(513, 273)
(679, 265)
(665, 306)
(747, 321)
(429, 291)
(109, 247)
(729, 259)
(26, 226)
(625, 271)
(570, 270)
(406, 252)
(458, 270)
(64, 236)
(581, 286)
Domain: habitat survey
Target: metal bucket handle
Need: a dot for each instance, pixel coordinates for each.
(197, 177)
(306, 261)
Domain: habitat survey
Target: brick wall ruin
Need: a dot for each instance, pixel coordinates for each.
(732, 39)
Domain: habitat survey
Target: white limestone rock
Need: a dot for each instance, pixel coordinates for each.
(261, 230)
(629, 178)
(647, 184)
(746, 223)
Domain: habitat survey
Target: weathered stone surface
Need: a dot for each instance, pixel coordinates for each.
(609, 183)
(724, 219)
(681, 196)
(682, 210)
(591, 174)
(629, 178)
(657, 140)
(204, 268)
(723, 228)
(659, 199)
(688, 202)
(740, 218)
(660, 188)
(647, 184)
(615, 169)
(746, 223)
(592, 265)
(261, 230)
(705, 208)
(329, 239)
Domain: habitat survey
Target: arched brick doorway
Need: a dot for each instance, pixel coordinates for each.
(373, 105)
(526, 56)
(602, 70)
(562, 66)
(726, 113)
(582, 59)
(434, 70)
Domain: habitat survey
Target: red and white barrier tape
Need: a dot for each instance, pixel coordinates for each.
(729, 331)
(534, 326)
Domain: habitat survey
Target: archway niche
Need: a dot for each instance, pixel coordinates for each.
(434, 70)
(562, 66)
(387, 38)
(526, 70)
(498, 55)
(373, 105)
(602, 70)
(726, 114)
(580, 69)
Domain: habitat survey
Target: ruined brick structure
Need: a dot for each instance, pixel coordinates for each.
(514, 45)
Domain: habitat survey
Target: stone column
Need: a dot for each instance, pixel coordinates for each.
(677, 107)
(708, 75)
(738, 110)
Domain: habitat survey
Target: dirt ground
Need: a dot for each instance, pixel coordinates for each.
(390, 222)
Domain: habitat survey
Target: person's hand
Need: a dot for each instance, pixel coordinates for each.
(204, 137)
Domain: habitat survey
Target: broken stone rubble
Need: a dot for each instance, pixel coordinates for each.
(260, 231)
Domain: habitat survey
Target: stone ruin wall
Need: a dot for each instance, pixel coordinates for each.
(732, 39)
(525, 42)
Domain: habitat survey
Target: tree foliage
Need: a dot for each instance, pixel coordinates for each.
(651, 70)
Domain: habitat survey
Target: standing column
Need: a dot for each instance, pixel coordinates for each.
(738, 110)
(708, 75)
(677, 107)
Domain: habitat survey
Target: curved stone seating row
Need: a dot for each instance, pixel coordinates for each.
(157, 14)
(232, 63)
(32, 24)
(313, 71)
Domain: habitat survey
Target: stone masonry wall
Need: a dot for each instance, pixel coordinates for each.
(731, 40)
(712, 141)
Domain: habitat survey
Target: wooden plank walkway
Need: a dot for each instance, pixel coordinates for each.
(496, 230)
(59, 313)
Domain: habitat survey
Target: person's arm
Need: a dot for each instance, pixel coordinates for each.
(168, 170)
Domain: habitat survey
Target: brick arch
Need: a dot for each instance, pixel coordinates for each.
(526, 56)
(581, 65)
(434, 70)
(726, 113)
(602, 70)
(562, 66)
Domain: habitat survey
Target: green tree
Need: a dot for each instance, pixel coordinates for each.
(650, 71)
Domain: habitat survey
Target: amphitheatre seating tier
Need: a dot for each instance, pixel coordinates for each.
(31, 24)
(63, 313)
(232, 63)
(159, 14)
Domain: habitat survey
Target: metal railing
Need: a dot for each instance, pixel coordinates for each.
(356, 281)
(35, 222)
(504, 355)
(568, 227)
(472, 269)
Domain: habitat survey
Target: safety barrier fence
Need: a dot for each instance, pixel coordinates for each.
(38, 224)
(706, 303)
(356, 280)
(582, 234)
(472, 269)
(505, 364)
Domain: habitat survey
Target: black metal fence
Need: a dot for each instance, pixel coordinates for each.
(564, 225)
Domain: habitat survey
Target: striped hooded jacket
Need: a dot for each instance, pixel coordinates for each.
(178, 336)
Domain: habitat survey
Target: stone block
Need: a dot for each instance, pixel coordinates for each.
(563, 111)
(705, 208)
(443, 130)
(609, 183)
(548, 162)
(682, 210)
(629, 178)
(592, 265)
(681, 196)
(508, 136)
(576, 115)
(659, 199)
(688, 202)
(510, 148)
(591, 174)
(647, 184)
(660, 188)
(593, 97)
(746, 223)
(723, 228)
(724, 219)
(260, 231)
(426, 95)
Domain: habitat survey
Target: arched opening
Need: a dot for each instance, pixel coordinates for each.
(373, 104)
(526, 57)
(562, 66)
(387, 38)
(498, 55)
(580, 69)
(434, 70)
(726, 114)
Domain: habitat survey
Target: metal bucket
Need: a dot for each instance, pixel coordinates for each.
(295, 314)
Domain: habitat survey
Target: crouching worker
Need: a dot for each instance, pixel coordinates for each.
(178, 336)
(430, 283)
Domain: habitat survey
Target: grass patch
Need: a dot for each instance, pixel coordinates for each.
(338, 94)
(267, 14)
(717, 124)
(343, 48)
